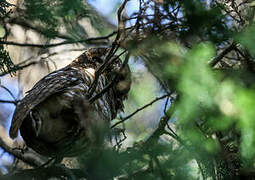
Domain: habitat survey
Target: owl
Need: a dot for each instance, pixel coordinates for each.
(55, 118)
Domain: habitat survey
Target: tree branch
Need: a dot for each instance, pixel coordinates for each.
(58, 44)
(52, 172)
(28, 158)
(217, 59)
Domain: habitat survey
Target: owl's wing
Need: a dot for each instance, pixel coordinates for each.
(54, 82)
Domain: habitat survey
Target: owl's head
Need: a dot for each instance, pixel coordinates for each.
(91, 58)
(95, 57)
(98, 55)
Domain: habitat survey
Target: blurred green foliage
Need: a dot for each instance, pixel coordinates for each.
(208, 131)
(200, 19)
(53, 14)
(213, 115)
(246, 38)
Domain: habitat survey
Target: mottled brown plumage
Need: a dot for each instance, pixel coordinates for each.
(55, 118)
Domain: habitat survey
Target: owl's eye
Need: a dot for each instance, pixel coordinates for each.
(97, 59)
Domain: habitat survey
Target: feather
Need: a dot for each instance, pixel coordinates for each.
(54, 82)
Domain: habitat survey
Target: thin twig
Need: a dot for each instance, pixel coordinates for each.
(108, 86)
(99, 71)
(20, 67)
(6, 89)
(139, 109)
(57, 44)
(8, 101)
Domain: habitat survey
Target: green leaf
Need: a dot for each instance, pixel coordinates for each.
(245, 102)
(6, 64)
(252, 4)
(247, 38)
(2, 31)
(197, 83)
